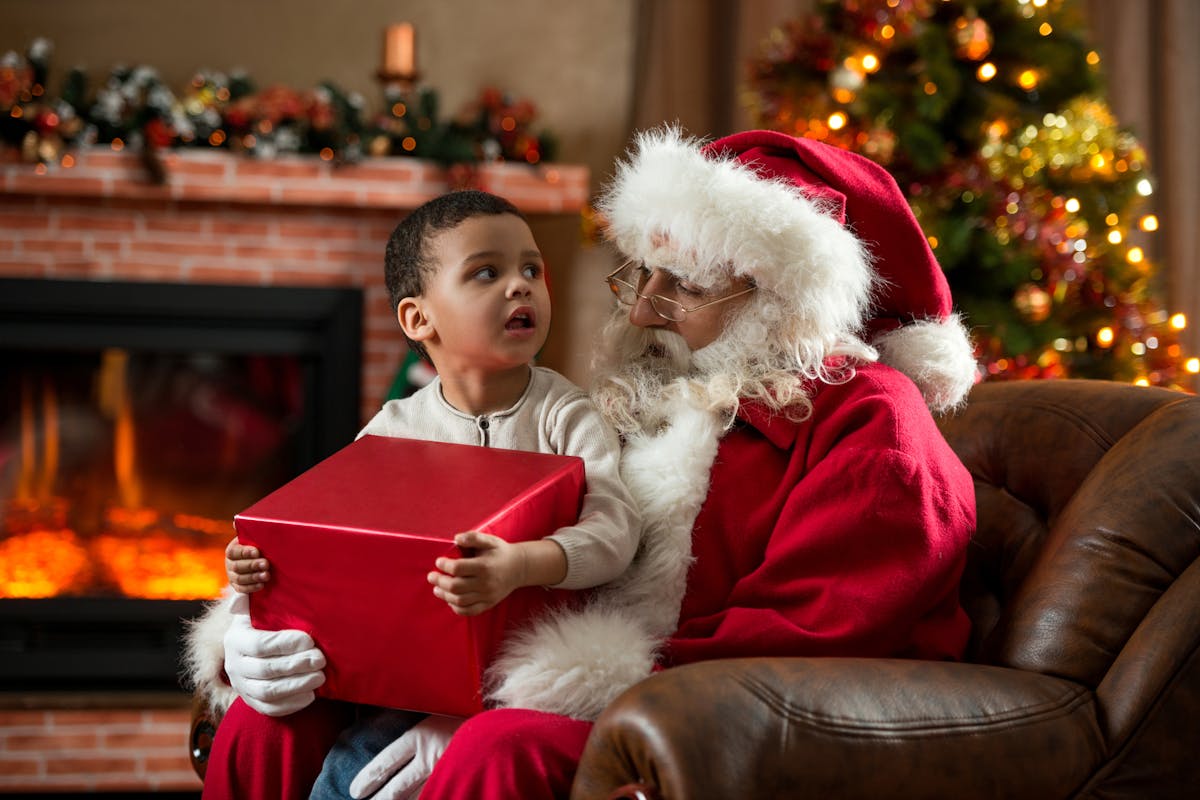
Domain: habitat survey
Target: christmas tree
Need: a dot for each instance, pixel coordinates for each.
(991, 116)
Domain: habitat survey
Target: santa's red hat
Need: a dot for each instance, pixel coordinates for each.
(824, 230)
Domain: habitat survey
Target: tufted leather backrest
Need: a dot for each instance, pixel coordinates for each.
(1083, 489)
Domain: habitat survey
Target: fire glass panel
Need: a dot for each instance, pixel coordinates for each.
(121, 470)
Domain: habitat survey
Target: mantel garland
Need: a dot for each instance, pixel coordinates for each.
(135, 109)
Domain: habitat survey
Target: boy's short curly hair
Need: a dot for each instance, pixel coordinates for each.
(406, 265)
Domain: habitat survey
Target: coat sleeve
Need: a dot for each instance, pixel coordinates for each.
(867, 551)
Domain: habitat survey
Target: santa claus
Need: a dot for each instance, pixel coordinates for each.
(782, 335)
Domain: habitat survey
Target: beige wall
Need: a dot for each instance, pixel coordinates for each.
(574, 60)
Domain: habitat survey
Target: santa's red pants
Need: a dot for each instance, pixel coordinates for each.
(255, 756)
(496, 755)
(508, 753)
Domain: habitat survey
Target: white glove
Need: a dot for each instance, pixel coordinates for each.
(403, 766)
(274, 672)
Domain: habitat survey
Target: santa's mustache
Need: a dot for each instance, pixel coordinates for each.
(660, 352)
(633, 369)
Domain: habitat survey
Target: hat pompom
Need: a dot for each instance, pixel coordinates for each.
(937, 356)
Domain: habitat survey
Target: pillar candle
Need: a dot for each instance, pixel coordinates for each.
(399, 50)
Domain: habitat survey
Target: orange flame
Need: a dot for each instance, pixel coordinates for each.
(114, 399)
(50, 444)
(24, 493)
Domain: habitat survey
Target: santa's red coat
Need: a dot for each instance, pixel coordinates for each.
(843, 535)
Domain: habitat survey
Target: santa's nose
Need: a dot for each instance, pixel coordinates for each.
(642, 312)
(643, 315)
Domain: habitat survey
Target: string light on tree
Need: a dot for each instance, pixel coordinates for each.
(972, 37)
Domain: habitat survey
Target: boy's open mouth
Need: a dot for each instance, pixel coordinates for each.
(520, 319)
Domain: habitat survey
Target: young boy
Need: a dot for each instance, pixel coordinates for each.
(468, 286)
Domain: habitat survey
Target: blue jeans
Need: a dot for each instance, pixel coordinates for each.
(373, 729)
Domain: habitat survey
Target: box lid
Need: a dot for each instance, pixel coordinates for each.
(432, 490)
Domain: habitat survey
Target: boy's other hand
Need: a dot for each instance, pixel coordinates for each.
(474, 583)
(248, 571)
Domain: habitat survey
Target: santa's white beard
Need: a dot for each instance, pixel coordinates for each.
(640, 372)
(633, 366)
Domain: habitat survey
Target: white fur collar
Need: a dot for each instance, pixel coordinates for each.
(575, 662)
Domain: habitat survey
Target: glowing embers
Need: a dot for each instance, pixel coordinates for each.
(102, 539)
(41, 562)
(158, 563)
(146, 556)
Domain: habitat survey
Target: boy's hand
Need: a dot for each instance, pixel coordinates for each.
(475, 583)
(247, 570)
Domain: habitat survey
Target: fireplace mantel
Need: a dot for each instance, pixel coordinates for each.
(218, 177)
(221, 217)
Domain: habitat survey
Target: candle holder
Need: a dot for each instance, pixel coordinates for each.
(403, 82)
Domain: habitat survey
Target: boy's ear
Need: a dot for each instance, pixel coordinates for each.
(413, 321)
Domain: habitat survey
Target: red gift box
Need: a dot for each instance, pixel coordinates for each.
(351, 540)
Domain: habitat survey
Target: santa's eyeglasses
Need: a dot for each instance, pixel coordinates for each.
(628, 280)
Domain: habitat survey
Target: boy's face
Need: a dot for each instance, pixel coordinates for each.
(487, 304)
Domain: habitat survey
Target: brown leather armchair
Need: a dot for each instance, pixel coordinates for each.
(1082, 679)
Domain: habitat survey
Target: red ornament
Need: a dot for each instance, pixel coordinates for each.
(158, 133)
(46, 122)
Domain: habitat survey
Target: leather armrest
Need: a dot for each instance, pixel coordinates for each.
(847, 728)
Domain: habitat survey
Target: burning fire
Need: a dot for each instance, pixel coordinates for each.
(42, 563)
(137, 551)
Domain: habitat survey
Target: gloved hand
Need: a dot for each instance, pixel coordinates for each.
(402, 767)
(274, 672)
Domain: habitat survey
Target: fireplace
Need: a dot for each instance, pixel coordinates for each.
(218, 219)
(135, 420)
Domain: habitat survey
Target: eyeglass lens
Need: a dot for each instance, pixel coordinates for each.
(628, 283)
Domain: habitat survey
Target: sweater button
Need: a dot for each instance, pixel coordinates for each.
(483, 423)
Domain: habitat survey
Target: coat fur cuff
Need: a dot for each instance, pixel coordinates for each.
(572, 663)
(204, 654)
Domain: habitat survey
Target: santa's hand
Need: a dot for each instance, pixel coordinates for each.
(274, 672)
(401, 769)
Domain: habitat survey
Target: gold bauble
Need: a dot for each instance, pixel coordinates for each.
(29, 147)
(379, 146)
(1032, 302)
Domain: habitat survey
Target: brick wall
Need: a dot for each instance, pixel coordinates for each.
(99, 749)
(219, 218)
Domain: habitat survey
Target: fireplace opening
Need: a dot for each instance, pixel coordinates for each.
(135, 420)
